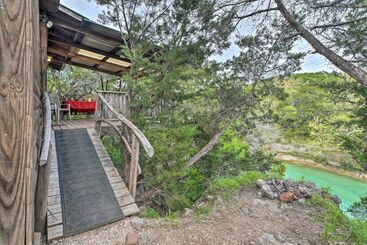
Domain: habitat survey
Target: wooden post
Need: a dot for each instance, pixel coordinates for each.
(41, 198)
(19, 73)
(133, 175)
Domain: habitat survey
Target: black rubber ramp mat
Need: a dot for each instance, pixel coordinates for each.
(87, 198)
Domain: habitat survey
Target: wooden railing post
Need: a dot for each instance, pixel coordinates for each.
(133, 174)
(98, 114)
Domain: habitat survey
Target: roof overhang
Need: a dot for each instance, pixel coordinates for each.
(74, 39)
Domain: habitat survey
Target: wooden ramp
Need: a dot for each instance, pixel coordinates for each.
(54, 210)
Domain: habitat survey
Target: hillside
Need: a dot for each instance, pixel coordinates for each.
(316, 117)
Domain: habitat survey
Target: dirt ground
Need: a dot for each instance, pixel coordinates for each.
(245, 218)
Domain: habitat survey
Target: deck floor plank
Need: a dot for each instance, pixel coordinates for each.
(123, 196)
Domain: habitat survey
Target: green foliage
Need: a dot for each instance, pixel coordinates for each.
(337, 226)
(202, 211)
(171, 216)
(113, 146)
(232, 155)
(78, 83)
(173, 147)
(149, 213)
(277, 171)
(309, 110)
(227, 185)
(359, 209)
(327, 110)
(356, 144)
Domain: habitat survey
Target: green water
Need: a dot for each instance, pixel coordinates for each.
(347, 189)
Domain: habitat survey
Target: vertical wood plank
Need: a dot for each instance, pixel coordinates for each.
(19, 74)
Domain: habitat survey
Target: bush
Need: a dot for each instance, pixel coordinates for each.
(359, 209)
(199, 212)
(337, 226)
(228, 185)
(150, 213)
(232, 155)
(230, 165)
(113, 148)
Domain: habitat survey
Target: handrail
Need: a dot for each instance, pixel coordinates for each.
(136, 131)
(128, 147)
(47, 135)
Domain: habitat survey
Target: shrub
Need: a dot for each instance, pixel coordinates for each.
(199, 212)
(359, 209)
(228, 185)
(232, 155)
(149, 213)
(337, 226)
(113, 146)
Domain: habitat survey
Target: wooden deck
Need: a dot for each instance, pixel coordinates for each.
(54, 210)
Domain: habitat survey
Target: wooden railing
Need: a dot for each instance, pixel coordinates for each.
(112, 109)
(47, 131)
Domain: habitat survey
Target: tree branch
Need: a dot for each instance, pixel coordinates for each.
(255, 13)
(350, 69)
(338, 24)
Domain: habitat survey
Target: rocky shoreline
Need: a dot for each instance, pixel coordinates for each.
(289, 191)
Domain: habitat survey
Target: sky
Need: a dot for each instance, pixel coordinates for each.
(311, 63)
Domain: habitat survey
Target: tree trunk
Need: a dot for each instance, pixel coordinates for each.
(347, 67)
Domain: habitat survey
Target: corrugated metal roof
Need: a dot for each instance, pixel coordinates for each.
(79, 41)
(97, 43)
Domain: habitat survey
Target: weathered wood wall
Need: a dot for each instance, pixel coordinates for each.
(20, 117)
(118, 100)
(43, 168)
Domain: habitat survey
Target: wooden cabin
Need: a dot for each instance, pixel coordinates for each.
(36, 34)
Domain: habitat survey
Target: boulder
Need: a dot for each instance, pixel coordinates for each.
(260, 183)
(287, 196)
(210, 198)
(336, 199)
(244, 210)
(302, 192)
(132, 239)
(268, 239)
(333, 163)
(268, 191)
(188, 212)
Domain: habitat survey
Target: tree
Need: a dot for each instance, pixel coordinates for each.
(359, 208)
(348, 67)
(335, 29)
(78, 83)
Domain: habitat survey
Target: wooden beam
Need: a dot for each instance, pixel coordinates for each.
(54, 38)
(65, 53)
(19, 66)
(119, 74)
